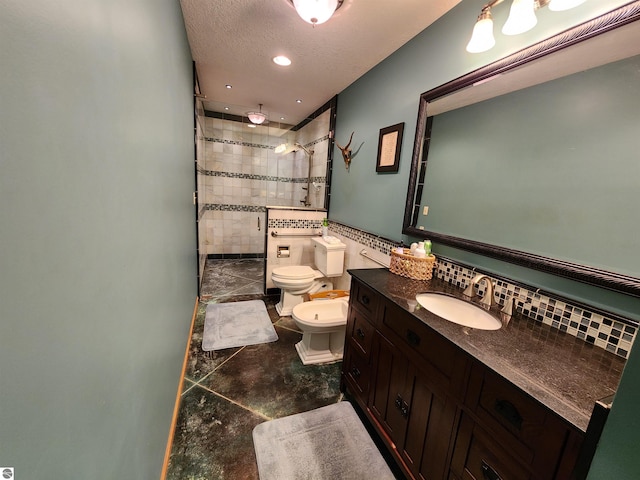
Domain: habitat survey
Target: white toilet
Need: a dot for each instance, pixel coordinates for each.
(323, 324)
(295, 281)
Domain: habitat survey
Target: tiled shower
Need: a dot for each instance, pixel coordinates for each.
(241, 175)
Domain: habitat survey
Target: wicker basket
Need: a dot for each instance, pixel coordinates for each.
(406, 265)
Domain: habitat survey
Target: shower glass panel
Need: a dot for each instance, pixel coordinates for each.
(242, 174)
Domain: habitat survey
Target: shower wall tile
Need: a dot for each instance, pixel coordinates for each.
(241, 173)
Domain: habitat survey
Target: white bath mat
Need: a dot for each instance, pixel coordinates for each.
(327, 443)
(235, 324)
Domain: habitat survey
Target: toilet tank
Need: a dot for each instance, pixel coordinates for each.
(329, 256)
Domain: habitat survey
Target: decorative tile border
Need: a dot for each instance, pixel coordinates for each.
(252, 176)
(367, 239)
(259, 145)
(234, 208)
(316, 141)
(238, 142)
(614, 333)
(294, 223)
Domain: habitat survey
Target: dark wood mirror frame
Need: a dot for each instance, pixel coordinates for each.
(601, 278)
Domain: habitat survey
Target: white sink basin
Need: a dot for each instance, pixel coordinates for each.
(458, 311)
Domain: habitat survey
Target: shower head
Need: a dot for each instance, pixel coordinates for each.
(308, 152)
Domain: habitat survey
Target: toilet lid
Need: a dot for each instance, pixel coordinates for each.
(294, 272)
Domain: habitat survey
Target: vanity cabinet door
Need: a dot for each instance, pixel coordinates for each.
(419, 421)
(389, 400)
(430, 429)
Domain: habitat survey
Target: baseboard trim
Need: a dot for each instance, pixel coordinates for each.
(176, 406)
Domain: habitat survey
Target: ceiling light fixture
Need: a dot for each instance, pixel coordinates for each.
(282, 61)
(228, 86)
(522, 18)
(316, 12)
(257, 117)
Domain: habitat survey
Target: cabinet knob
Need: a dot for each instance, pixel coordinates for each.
(365, 300)
(355, 372)
(399, 402)
(360, 333)
(509, 412)
(413, 338)
(489, 473)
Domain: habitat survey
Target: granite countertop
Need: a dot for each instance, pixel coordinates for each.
(559, 370)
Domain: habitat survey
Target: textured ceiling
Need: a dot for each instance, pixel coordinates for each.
(233, 42)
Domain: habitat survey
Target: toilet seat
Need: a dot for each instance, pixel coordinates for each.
(295, 277)
(295, 272)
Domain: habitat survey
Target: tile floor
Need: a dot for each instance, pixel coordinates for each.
(228, 392)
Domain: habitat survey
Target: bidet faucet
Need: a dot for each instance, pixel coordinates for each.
(487, 300)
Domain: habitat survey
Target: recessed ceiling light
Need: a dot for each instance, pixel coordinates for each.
(228, 86)
(298, 101)
(226, 108)
(251, 125)
(281, 118)
(282, 61)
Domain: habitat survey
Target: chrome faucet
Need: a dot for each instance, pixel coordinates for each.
(487, 300)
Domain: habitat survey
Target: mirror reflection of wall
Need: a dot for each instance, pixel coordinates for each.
(537, 162)
(552, 248)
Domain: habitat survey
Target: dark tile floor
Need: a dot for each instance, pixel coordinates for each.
(228, 392)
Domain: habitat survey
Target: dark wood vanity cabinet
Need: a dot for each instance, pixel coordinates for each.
(505, 434)
(442, 414)
(417, 418)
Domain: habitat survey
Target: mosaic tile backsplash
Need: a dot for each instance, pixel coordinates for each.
(366, 239)
(611, 332)
(608, 331)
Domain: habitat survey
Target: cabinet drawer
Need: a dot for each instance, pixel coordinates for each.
(365, 299)
(361, 332)
(479, 456)
(422, 339)
(356, 371)
(533, 433)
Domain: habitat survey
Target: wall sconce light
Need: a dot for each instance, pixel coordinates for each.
(522, 18)
(316, 12)
(257, 117)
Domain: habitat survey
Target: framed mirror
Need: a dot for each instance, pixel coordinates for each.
(522, 207)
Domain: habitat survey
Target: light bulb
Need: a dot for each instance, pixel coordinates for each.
(521, 17)
(482, 37)
(315, 12)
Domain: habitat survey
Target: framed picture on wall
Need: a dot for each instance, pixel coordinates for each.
(389, 145)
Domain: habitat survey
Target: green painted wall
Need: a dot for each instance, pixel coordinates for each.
(388, 94)
(617, 454)
(98, 262)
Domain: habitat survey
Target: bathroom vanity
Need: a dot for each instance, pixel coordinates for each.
(452, 402)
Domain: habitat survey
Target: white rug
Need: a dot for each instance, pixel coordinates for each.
(327, 443)
(235, 324)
